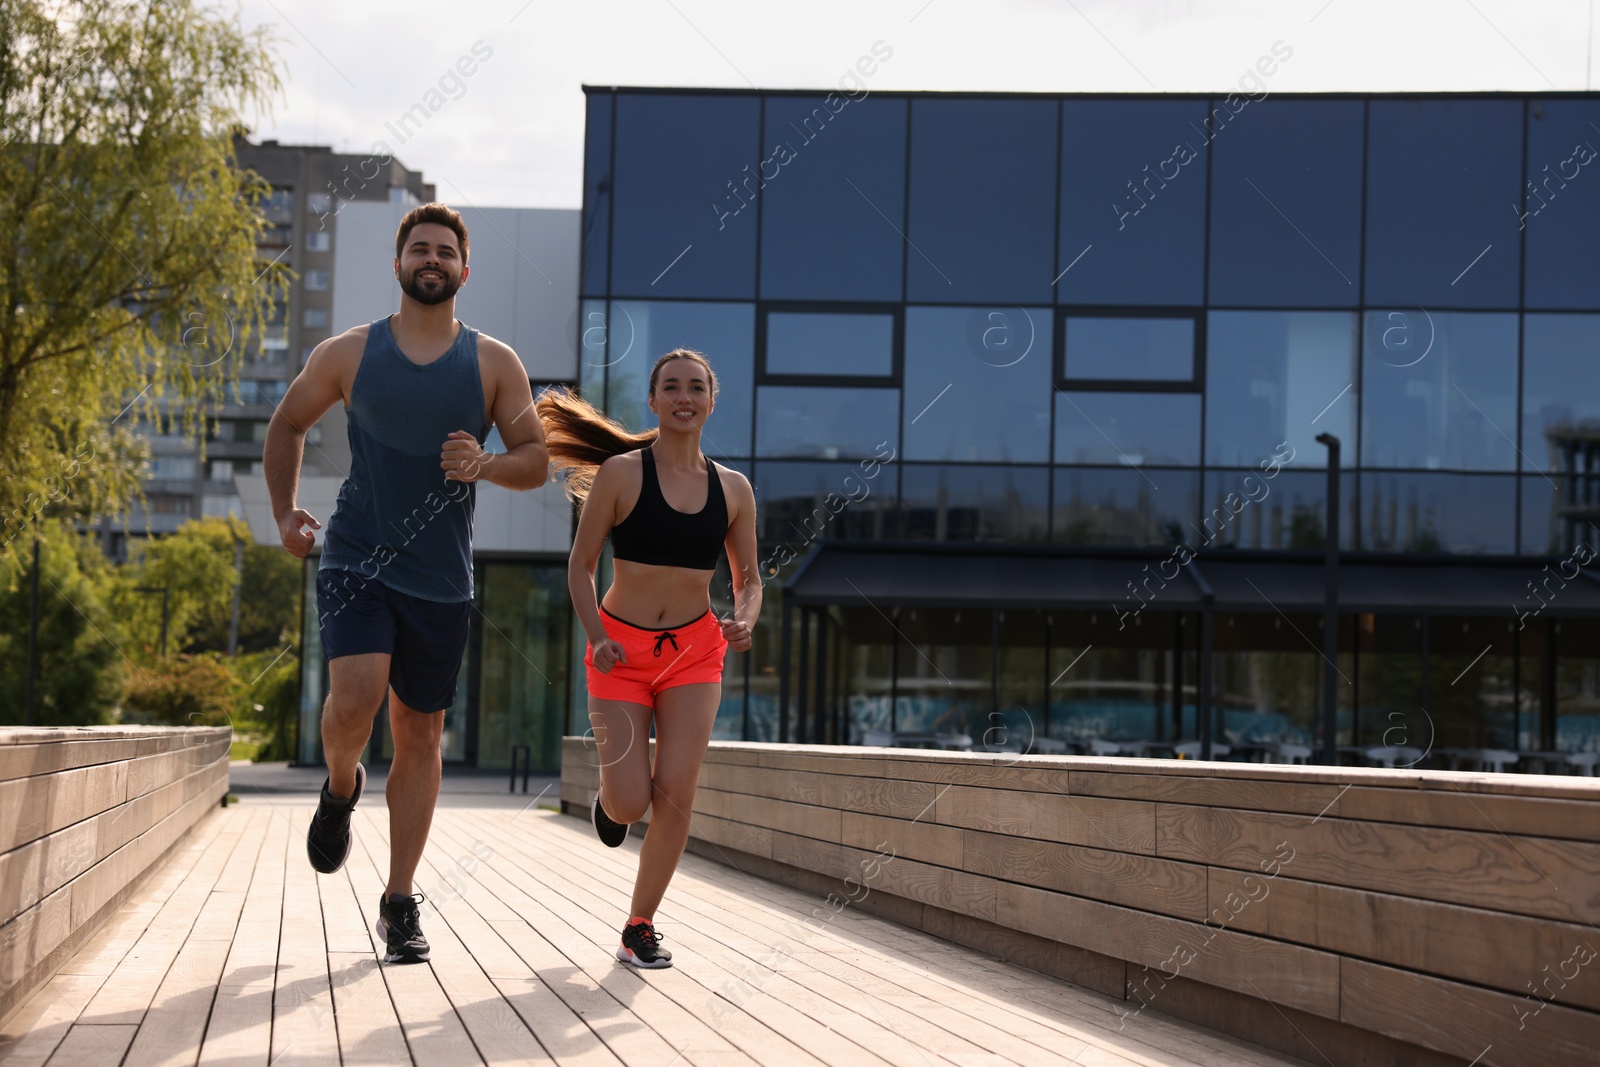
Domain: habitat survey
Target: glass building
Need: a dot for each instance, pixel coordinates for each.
(1030, 388)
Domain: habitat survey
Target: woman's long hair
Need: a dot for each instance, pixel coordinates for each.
(580, 437)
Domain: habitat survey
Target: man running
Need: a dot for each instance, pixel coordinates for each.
(394, 586)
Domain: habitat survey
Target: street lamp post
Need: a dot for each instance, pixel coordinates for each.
(1330, 608)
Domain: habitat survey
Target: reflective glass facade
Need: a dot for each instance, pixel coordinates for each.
(1084, 321)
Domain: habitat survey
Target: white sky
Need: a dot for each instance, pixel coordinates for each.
(514, 137)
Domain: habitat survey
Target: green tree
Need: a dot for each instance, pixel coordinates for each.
(194, 566)
(197, 690)
(80, 664)
(128, 269)
(269, 592)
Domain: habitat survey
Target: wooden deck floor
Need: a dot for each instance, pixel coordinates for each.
(235, 953)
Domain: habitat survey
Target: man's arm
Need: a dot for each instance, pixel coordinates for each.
(525, 464)
(314, 390)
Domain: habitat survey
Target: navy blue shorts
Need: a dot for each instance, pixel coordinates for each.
(424, 638)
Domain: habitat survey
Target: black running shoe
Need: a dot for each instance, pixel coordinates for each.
(612, 833)
(641, 947)
(328, 839)
(400, 925)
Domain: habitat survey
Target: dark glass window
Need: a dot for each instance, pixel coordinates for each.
(1560, 406)
(1151, 348)
(592, 334)
(798, 503)
(1133, 429)
(1441, 175)
(521, 690)
(805, 422)
(1279, 376)
(1439, 390)
(829, 344)
(641, 331)
(1562, 205)
(1124, 507)
(1133, 202)
(832, 170)
(969, 503)
(686, 179)
(1467, 513)
(596, 191)
(977, 384)
(1287, 511)
(982, 188)
(1286, 206)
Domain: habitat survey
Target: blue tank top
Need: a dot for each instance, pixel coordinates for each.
(397, 519)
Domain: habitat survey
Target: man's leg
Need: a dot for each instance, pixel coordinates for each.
(355, 691)
(413, 788)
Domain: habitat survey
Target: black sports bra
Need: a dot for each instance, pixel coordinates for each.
(657, 533)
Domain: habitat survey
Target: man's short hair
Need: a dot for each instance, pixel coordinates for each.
(443, 214)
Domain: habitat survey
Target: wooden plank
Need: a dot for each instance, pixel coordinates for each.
(127, 994)
(1148, 883)
(92, 1043)
(26, 761)
(1467, 944)
(918, 840)
(1574, 819)
(303, 1027)
(1305, 798)
(1122, 825)
(240, 1028)
(432, 1029)
(873, 796)
(464, 965)
(147, 773)
(175, 1023)
(37, 1027)
(1495, 1028)
(806, 820)
(369, 1029)
(30, 808)
(1162, 948)
(1519, 874)
(34, 935)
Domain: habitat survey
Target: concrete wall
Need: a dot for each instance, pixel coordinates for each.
(85, 814)
(1342, 915)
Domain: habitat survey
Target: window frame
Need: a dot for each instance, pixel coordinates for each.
(1193, 384)
(896, 313)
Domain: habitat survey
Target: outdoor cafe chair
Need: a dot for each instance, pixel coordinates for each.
(1582, 763)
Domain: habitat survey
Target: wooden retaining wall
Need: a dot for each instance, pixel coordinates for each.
(85, 813)
(1341, 915)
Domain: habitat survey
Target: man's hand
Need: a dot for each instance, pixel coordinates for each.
(463, 459)
(295, 538)
(736, 633)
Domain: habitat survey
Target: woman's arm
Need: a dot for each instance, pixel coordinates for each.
(742, 563)
(594, 523)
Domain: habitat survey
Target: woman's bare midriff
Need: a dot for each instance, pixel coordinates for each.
(649, 595)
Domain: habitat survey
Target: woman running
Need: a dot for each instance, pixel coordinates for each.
(655, 648)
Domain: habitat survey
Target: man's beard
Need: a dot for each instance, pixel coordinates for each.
(422, 293)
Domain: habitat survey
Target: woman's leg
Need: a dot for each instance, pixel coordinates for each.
(622, 746)
(684, 716)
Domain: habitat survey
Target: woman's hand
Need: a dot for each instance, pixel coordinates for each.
(736, 633)
(606, 654)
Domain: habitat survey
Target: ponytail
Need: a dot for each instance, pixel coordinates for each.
(579, 437)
